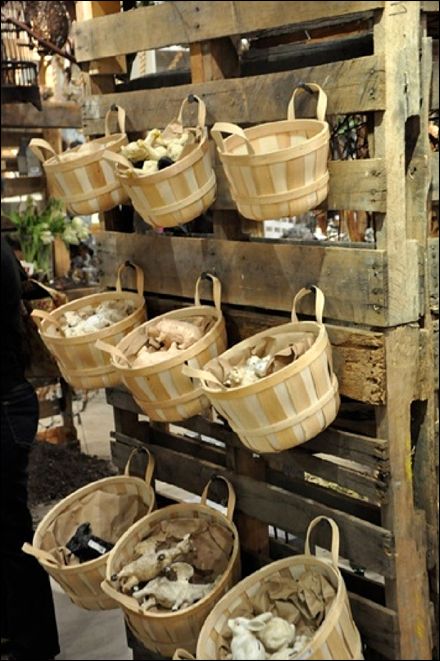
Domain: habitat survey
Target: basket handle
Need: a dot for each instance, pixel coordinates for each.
(139, 277)
(41, 315)
(37, 144)
(231, 495)
(39, 554)
(216, 290)
(53, 293)
(150, 465)
(112, 350)
(121, 119)
(181, 654)
(335, 538)
(321, 106)
(117, 158)
(319, 302)
(226, 127)
(201, 111)
(203, 375)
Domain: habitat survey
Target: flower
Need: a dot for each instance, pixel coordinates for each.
(46, 237)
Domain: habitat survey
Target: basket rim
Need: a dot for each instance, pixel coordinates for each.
(286, 153)
(60, 507)
(125, 601)
(184, 355)
(265, 573)
(104, 332)
(270, 380)
(162, 175)
(112, 142)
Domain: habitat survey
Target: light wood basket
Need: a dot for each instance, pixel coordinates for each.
(164, 632)
(80, 177)
(290, 406)
(80, 362)
(179, 193)
(162, 391)
(337, 637)
(278, 169)
(82, 583)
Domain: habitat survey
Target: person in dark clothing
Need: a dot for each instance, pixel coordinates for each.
(28, 621)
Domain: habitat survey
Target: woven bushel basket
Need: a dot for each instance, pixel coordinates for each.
(288, 407)
(164, 632)
(179, 193)
(82, 582)
(80, 362)
(161, 390)
(336, 638)
(278, 169)
(81, 177)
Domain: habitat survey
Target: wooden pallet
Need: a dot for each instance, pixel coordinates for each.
(374, 470)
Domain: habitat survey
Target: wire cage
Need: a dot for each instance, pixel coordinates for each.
(19, 68)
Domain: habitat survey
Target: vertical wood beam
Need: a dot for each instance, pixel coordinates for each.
(397, 36)
(407, 592)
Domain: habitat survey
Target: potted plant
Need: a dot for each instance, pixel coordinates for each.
(37, 229)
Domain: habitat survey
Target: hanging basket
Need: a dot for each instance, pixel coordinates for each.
(162, 391)
(80, 362)
(288, 407)
(278, 169)
(82, 583)
(179, 193)
(336, 638)
(164, 632)
(81, 177)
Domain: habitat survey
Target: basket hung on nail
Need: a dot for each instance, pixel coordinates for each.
(155, 377)
(276, 389)
(71, 331)
(161, 629)
(110, 506)
(181, 191)
(81, 177)
(317, 587)
(277, 169)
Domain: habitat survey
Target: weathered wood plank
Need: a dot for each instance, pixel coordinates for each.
(172, 264)
(378, 625)
(362, 542)
(188, 22)
(433, 275)
(407, 592)
(48, 408)
(23, 186)
(10, 138)
(435, 75)
(357, 185)
(351, 86)
(53, 115)
(371, 452)
(358, 355)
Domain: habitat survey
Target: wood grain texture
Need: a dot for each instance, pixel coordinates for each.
(434, 167)
(407, 592)
(188, 22)
(362, 542)
(53, 115)
(435, 75)
(351, 86)
(23, 186)
(172, 264)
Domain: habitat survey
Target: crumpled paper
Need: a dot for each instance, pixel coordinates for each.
(110, 515)
(283, 348)
(304, 602)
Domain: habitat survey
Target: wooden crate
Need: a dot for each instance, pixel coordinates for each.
(374, 470)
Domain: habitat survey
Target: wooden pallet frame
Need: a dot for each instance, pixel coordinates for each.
(382, 329)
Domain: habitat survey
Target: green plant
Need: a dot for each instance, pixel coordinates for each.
(37, 229)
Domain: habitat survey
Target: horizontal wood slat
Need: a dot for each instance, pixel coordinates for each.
(351, 86)
(371, 452)
(184, 22)
(23, 186)
(53, 115)
(354, 185)
(362, 542)
(354, 281)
